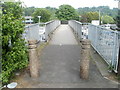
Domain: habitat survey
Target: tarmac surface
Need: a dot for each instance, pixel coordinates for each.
(63, 36)
(60, 65)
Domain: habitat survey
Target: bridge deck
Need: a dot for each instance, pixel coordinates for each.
(63, 36)
(60, 65)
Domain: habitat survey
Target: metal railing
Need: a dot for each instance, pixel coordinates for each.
(77, 28)
(106, 43)
(33, 32)
(50, 27)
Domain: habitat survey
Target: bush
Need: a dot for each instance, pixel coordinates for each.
(14, 51)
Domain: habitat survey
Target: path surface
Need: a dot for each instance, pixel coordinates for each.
(60, 65)
(63, 36)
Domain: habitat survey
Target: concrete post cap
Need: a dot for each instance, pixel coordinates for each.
(85, 41)
(32, 42)
(32, 46)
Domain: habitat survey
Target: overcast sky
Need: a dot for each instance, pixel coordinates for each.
(74, 3)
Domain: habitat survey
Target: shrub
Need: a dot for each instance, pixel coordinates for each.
(14, 51)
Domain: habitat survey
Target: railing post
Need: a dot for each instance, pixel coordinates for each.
(33, 59)
(85, 57)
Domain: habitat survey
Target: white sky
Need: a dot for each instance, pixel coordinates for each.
(74, 3)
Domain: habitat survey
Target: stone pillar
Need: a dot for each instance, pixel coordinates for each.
(33, 59)
(85, 57)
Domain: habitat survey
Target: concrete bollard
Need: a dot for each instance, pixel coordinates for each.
(33, 59)
(84, 63)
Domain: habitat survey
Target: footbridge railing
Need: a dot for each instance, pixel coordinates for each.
(50, 27)
(77, 28)
(39, 31)
(106, 43)
(32, 32)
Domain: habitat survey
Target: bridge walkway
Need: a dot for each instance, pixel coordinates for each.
(60, 65)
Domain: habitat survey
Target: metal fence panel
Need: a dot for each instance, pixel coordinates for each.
(33, 32)
(77, 28)
(106, 43)
(50, 27)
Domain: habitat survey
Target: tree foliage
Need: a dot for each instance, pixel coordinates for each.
(107, 19)
(52, 11)
(83, 18)
(92, 16)
(118, 19)
(66, 12)
(29, 11)
(14, 51)
(44, 13)
(89, 16)
(105, 10)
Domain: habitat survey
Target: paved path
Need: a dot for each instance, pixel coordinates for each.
(60, 65)
(63, 36)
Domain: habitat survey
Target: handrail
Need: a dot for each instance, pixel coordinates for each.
(49, 22)
(103, 28)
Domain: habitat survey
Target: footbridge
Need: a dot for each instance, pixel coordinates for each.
(60, 60)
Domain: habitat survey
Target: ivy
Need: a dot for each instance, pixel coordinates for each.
(14, 51)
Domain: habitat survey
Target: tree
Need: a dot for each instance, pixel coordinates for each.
(118, 19)
(29, 11)
(44, 13)
(89, 16)
(66, 12)
(14, 51)
(107, 19)
(92, 16)
(52, 11)
(84, 18)
(105, 10)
